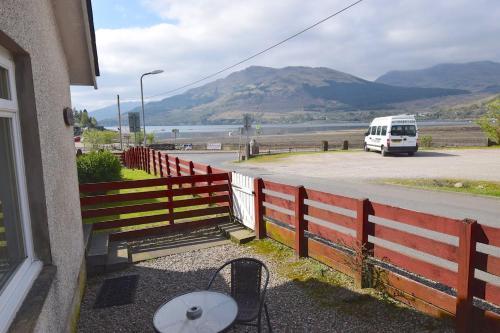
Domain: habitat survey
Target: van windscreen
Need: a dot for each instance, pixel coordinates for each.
(408, 130)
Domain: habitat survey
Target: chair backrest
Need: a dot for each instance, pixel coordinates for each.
(246, 278)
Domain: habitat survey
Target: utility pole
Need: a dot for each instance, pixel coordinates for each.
(239, 143)
(119, 121)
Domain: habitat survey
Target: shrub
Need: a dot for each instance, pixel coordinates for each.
(150, 138)
(490, 122)
(426, 141)
(98, 166)
(95, 139)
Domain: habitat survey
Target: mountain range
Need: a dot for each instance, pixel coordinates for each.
(297, 94)
(111, 111)
(479, 76)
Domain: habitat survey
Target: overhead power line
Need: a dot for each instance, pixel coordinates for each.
(258, 53)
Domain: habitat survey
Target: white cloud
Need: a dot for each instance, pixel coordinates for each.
(367, 40)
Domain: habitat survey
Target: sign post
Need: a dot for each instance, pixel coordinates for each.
(134, 124)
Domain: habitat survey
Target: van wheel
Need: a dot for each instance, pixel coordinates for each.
(366, 148)
(383, 152)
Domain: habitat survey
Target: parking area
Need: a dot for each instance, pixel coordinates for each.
(478, 164)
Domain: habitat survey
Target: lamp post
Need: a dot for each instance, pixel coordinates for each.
(158, 71)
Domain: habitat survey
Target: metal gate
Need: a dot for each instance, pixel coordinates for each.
(243, 199)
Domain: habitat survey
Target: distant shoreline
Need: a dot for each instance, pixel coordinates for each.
(442, 135)
(186, 131)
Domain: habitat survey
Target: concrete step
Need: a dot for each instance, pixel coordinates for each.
(97, 254)
(87, 235)
(237, 232)
(118, 256)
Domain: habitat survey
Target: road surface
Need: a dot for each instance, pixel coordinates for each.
(350, 174)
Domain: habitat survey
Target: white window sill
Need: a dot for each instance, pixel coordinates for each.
(13, 294)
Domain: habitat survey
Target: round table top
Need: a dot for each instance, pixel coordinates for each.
(218, 312)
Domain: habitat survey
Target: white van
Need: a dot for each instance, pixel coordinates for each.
(394, 134)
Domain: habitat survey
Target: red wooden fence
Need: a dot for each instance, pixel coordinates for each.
(407, 253)
(158, 200)
(360, 238)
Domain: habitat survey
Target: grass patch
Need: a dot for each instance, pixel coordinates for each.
(135, 174)
(333, 289)
(459, 147)
(477, 187)
(273, 157)
(316, 279)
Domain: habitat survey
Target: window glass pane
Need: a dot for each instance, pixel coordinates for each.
(384, 130)
(397, 130)
(12, 249)
(4, 83)
(374, 129)
(378, 130)
(410, 130)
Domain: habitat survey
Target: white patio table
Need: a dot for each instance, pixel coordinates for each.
(196, 312)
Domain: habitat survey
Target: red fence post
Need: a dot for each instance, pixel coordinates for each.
(141, 158)
(300, 222)
(154, 161)
(209, 182)
(191, 172)
(148, 160)
(230, 186)
(170, 201)
(138, 154)
(177, 167)
(362, 278)
(465, 278)
(160, 165)
(167, 163)
(132, 156)
(260, 225)
(137, 158)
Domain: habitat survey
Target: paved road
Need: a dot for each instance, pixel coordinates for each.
(455, 205)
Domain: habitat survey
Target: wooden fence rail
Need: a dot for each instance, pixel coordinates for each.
(426, 261)
(173, 201)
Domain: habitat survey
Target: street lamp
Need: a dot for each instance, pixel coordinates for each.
(158, 71)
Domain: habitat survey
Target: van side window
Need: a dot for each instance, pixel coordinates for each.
(378, 130)
(374, 129)
(384, 130)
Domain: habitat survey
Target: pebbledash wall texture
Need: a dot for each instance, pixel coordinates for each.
(43, 80)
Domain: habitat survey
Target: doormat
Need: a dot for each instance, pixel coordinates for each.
(117, 291)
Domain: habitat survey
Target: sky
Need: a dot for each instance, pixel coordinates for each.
(190, 39)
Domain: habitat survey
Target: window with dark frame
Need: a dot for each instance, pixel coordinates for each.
(384, 130)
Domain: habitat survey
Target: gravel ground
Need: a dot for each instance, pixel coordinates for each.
(291, 306)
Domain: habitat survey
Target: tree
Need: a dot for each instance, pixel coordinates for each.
(84, 119)
(490, 122)
(150, 138)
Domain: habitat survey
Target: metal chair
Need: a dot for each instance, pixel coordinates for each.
(246, 289)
